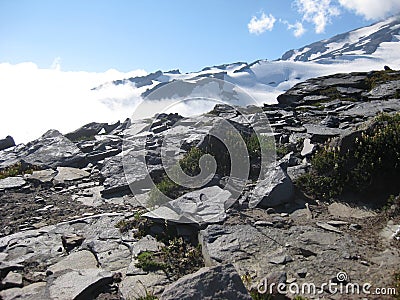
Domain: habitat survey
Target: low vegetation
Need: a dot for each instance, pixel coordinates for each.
(371, 164)
(17, 169)
(377, 77)
(177, 258)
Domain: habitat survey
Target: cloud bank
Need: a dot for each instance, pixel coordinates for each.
(34, 100)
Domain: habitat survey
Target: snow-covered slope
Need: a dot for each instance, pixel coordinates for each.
(362, 42)
(363, 49)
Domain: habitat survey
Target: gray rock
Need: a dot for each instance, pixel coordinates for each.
(32, 291)
(372, 108)
(128, 171)
(6, 143)
(69, 174)
(52, 150)
(81, 283)
(281, 259)
(337, 223)
(70, 241)
(220, 282)
(321, 133)
(43, 176)
(331, 121)
(89, 130)
(345, 211)
(296, 171)
(328, 227)
(385, 91)
(204, 206)
(134, 287)
(13, 279)
(80, 260)
(274, 190)
(12, 183)
(147, 243)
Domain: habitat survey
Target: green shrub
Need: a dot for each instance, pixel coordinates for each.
(190, 162)
(372, 162)
(149, 262)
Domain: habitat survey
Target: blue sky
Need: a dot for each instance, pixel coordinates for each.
(189, 35)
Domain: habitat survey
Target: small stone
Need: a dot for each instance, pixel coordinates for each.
(355, 226)
(13, 279)
(337, 223)
(270, 210)
(291, 280)
(71, 241)
(302, 273)
(263, 223)
(364, 262)
(328, 227)
(281, 260)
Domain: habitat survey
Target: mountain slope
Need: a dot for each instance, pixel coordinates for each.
(350, 45)
(362, 49)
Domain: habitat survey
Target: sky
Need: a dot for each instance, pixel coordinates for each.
(53, 52)
(97, 35)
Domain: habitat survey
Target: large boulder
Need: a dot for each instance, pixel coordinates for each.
(6, 143)
(275, 189)
(220, 282)
(50, 150)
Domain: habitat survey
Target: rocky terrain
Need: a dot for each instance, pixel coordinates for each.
(75, 224)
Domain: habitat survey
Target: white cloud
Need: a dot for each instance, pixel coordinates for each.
(319, 13)
(260, 25)
(298, 28)
(34, 100)
(372, 9)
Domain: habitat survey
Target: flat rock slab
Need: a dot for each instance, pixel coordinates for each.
(80, 260)
(12, 183)
(13, 279)
(68, 174)
(43, 176)
(204, 206)
(321, 133)
(80, 283)
(264, 250)
(220, 282)
(372, 108)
